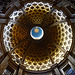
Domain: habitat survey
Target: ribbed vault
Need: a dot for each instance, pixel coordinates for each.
(41, 54)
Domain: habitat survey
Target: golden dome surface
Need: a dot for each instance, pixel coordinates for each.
(41, 54)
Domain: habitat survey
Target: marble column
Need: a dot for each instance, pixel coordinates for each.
(20, 72)
(15, 72)
(57, 72)
(3, 57)
(71, 59)
(3, 65)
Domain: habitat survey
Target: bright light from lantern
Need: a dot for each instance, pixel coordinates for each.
(36, 33)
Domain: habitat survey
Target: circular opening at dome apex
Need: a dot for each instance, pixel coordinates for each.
(36, 33)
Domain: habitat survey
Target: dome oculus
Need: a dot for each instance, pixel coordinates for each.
(36, 33)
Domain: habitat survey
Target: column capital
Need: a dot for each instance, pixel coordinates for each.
(54, 66)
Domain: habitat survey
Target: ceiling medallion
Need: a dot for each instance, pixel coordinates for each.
(36, 33)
